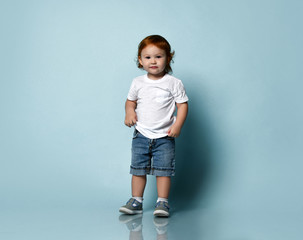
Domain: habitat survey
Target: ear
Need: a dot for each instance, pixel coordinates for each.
(170, 57)
(140, 61)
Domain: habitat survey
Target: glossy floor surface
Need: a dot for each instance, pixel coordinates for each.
(107, 223)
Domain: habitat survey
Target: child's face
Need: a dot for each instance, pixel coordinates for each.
(153, 60)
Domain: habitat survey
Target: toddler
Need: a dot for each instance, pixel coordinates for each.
(150, 107)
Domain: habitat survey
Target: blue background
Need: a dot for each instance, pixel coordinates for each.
(66, 67)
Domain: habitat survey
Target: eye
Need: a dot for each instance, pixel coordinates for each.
(159, 56)
(147, 57)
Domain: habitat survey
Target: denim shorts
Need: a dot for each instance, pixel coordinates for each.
(152, 156)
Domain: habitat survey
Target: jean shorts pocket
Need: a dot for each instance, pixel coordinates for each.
(170, 138)
(135, 134)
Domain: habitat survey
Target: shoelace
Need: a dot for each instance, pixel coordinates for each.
(165, 204)
(133, 202)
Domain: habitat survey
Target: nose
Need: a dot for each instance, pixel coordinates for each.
(153, 60)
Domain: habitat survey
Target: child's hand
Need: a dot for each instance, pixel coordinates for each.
(174, 131)
(130, 119)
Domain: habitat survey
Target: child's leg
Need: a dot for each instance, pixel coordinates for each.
(138, 185)
(134, 204)
(163, 186)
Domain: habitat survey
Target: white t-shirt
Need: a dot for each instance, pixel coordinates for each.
(156, 101)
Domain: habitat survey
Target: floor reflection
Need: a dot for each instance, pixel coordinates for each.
(100, 223)
(135, 226)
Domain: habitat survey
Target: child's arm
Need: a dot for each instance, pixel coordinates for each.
(130, 114)
(175, 129)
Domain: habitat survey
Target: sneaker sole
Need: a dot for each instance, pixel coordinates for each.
(161, 213)
(128, 211)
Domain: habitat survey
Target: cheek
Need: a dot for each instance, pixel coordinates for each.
(144, 63)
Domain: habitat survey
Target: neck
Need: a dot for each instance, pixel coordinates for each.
(155, 77)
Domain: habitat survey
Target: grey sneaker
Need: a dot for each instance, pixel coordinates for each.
(162, 209)
(132, 207)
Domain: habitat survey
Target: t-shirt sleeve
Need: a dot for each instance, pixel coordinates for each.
(132, 93)
(179, 93)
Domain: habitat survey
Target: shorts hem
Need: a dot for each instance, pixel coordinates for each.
(152, 171)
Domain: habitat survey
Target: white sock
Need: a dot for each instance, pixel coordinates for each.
(162, 199)
(139, 199)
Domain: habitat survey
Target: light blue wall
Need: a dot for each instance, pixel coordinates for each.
(66, 67)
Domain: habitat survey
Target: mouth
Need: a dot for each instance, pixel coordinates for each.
(154, 67)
